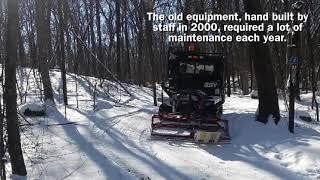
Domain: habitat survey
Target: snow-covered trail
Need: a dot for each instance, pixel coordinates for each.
(114, 143)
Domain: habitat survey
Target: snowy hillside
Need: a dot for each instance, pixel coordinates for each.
(114, 141)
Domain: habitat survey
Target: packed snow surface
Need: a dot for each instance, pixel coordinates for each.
(112, 140)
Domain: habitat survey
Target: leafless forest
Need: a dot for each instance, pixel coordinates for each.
(112, 39)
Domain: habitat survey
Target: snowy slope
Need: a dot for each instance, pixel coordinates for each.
(114, 141)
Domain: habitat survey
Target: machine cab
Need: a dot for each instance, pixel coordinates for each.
(195, 88)
(201, 74)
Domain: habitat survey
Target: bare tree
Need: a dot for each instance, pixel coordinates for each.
(62, 51)
(267, 91)
(118, 34)
(42, 43)
(10, 93)
(99, 34)
(148, 6)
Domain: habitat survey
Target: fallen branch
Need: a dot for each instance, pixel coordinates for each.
(63, 124)
(48, 125)
(24, 118)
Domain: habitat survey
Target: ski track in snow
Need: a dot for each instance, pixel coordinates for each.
(114, 141)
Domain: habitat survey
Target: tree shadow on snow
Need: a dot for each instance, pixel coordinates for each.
(251, 140)
(121, 142)
(108, 168)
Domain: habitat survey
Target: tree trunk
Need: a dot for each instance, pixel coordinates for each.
(148, 6)
(2, 125)
(62, 52)
(42, 40)
(126, 31)
(140, 45)
(47, 6)
(22, 54)
(93, 38)
(100, 51)
(118, 34)
(10, 93)
(267, 92)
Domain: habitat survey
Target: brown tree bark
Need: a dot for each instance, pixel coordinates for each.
(10, 93)
(42, 40)
(92, 37)
(62, 51)
(267, 92)
(140, 34)
(2, 146)
(99, 34)
(118, 35)
(126, 32)
(148, 6)
(47, 7)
